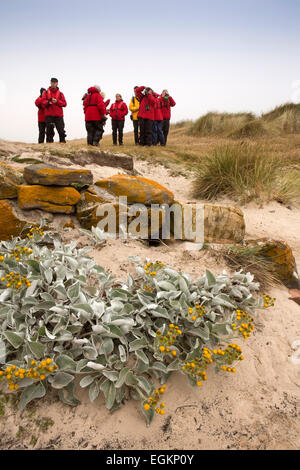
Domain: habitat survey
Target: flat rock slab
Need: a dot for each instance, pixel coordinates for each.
(101, 158)
(48, 198)
(50, 175)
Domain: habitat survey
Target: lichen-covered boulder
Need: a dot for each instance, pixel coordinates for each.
(9, 181)
(48, 198)
(220, 224)
(10, 224)
(280, 253)
(50, 175)
(137, 189)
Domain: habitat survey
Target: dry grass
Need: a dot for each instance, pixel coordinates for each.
(219, 123)
(249, 259)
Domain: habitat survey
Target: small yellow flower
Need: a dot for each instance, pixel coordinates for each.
(146, 407)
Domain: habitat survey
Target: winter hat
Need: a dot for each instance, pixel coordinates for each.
(98, 87)
(54, 80)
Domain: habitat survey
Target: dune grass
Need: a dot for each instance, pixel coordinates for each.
(219, 123)
(238, 171)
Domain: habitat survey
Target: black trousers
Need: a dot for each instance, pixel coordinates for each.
(117, 128)
(145, 131)
(165, 128)
(136, 131)
(42, 132)
(59, 123)
(94, 132)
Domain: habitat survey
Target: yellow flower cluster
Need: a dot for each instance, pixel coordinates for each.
(20, 251)
(166, 341)
(196, 312)
(153, 402)
(37, 371)
(244, 323)
(35, 231)
(268, 301)
(152, 268)
(197, 367)
(228, 356)
(15, 280)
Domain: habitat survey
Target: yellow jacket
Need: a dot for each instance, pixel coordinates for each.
(134, 107)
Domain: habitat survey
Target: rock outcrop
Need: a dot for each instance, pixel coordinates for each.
(9, 181)
(10, 224)
(50, 175)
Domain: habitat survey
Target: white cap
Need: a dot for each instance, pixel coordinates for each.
(98, 87)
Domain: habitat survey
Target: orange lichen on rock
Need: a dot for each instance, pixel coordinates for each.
(48, 198)
(10, 225)
(280, 253)
(137, 189)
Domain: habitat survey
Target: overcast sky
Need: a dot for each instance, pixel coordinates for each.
(217, 55)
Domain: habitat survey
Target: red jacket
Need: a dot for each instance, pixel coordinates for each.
(147, 104)
(158, 115)
(166, 107)
(41, 111)
(118, 111)
(106, 103)
(53, 109)
(93, 105)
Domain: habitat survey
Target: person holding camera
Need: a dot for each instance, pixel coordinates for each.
(145, 114)
(53, 102)
(94, 111)
(118, 111)
(167, 103)
(157, 132)
(134, 107)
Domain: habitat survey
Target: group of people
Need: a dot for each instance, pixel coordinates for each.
(150, 114)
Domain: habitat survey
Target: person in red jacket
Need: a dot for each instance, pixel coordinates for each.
(118, 111)
(42, 120)
(157, 133)
(53, 102)
(94, 111)
(167, 104)
(146, 114)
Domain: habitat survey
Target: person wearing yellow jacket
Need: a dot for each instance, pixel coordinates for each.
(134, 107)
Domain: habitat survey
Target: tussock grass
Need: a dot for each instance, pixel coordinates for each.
(239, 171)
(219, 123)
(251, 130)
(249, 259)
(287, 187)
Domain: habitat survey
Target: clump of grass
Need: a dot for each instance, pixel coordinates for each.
(26, 160)
(242, 172)
(287, 187)
(219, 123)
(250, 259)
(249, 130)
